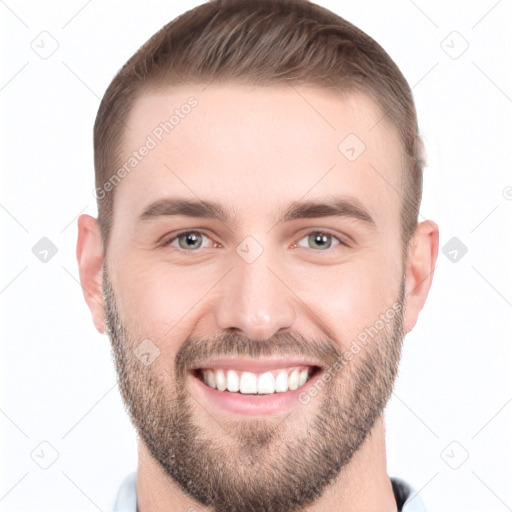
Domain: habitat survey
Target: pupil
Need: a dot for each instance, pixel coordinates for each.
(190, 240)
(320, 238)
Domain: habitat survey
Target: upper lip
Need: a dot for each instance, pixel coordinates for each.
(254, 365)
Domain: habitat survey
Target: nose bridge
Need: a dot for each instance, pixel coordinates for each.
(254, 300)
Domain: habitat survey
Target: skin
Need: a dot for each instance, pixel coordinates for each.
(256, 165)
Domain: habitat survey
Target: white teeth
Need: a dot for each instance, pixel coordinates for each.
(266, 384)
(220, 380)
(293, 380)
(248, 383)
(232, 381)
(210, 379)
(303, 377)
(282, 382)
(251, 383)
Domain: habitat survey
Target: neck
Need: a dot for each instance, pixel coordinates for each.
(362, 485)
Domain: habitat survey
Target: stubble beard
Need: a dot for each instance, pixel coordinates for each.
(259, 464)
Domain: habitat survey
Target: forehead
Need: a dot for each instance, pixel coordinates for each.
(257, 148)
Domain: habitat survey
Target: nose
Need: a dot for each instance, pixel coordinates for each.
(255, 300)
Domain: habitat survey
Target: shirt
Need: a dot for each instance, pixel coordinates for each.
(406, 498)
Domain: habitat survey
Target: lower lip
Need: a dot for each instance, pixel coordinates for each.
(252, 405)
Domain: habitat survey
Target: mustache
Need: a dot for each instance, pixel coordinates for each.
(196, 352)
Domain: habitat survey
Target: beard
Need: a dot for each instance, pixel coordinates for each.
(259, 464)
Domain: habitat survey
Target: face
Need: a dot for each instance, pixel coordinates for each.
(254, 287)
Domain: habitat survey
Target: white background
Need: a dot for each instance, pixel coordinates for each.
(58, 382)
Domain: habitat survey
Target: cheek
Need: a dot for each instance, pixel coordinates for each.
(351, 297)
(157, 300)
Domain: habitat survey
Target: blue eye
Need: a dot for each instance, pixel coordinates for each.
(192, 241)
(320, 240)
(188, 240)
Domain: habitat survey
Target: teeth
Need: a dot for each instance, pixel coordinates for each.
(251, 383)
(220, 380)
(293, 380)
(266, 384)
(248, 383)
(232, 381)
(282, 382)
(303, 377)
(210, 379)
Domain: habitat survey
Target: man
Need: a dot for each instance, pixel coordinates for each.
(257, 258)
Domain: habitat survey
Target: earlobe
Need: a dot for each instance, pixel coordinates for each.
(89, 254)
(422, 257)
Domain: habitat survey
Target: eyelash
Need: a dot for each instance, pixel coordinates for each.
(315, 231)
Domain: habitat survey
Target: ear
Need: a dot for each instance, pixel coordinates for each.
(89, 253)
(421, 262)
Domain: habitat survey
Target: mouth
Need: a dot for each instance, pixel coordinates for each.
(253, 386)
(252, 383)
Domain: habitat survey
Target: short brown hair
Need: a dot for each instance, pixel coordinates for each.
(259, 42)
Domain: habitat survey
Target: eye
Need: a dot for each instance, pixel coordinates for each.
(192, 241)
(320, 240)
(189, 241)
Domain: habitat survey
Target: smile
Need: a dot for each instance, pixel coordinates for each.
(249, 386)
(261, 383)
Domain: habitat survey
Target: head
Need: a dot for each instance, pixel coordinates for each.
(268, 43)
(258, 192)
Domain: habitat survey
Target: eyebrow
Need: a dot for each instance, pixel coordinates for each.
(333, 206)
